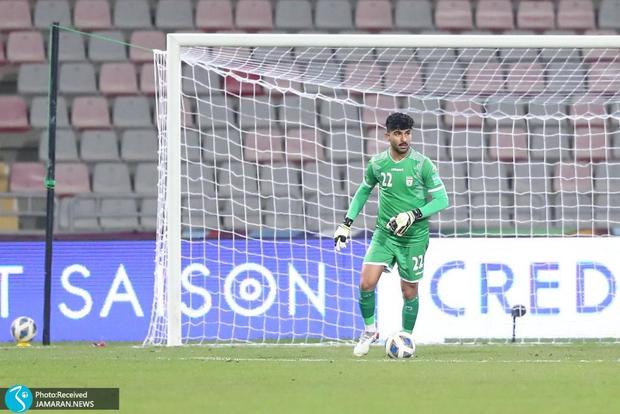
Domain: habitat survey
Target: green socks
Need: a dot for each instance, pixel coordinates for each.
(367, 306)
(410, 314)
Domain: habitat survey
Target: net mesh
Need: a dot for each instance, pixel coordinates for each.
(274, 142)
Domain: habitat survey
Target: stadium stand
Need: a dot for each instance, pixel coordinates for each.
(106, 126)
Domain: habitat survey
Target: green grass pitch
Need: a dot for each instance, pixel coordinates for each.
(566, 378)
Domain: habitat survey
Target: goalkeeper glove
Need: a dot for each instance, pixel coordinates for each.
(401, 223)
(343, 233)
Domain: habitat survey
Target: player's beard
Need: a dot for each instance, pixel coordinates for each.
(400, 150)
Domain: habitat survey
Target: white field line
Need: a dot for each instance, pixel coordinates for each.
(417, 360)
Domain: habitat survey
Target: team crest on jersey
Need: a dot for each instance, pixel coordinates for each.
(409, 181)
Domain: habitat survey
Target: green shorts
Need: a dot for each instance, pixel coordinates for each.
(409, 258)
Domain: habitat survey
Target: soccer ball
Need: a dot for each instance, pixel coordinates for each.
(400, 345)
(23, 329)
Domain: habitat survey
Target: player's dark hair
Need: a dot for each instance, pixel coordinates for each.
(399, 121)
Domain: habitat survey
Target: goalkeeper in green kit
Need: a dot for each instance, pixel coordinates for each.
(406, 180)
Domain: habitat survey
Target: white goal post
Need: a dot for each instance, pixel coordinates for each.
(500, 79)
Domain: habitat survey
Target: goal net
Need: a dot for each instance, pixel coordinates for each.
(270, 143)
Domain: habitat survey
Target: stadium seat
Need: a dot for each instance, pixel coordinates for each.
(413, 15)
(216, 111)
(466, 145)
(375, 141)
(99, 146)
(588, 114)
(214, 15)
(403, 77)
(550, 141)
(531, 178)
(560, 55)
(505, 112)
(364, 75)
(197, 179)
(316, 177)
(100, 50)
(50, 11)
(145, 182)
(132, 14)
(430, 142)
(453, 176)
(198, 80)
(607, 178)
(66, 145)
(119, 214)
(443, 77)
(512, 55)
(39, 112)
(424, 111)
(4, 177)
(222, 144)
(303, 144)
(485, 78)
(566, 76)
(8, 223)
(609, 14)
(72, 178)
(118, 79)
(284, 214)
(256, 112)
(293, 15)
(535, 15)
(344, 145)
(147, 79)
(338, 114)
(491, 212)
(572, 178)
(298, 111)
(148, 214)
(494, 15)
(241, 214)
(111, 178)
(323, 212)
(453, 15)
(573, 210)
(525, 78)
(70, 47)
(149, 39)
(373, 15)
(242, 84)
(139, 145)
(15, 15)
(603, 77)
(13, 114)
(463, 113)
(333, 15)
(263, 145)
(279, 181)
(90, 112)
(488, 177)
(78, 214)
(132, 112)
(377, 108)
(475, 54)
(236, 179)
(575, 15)
(253, 15)
(92, 15)
(590, 144)
(32, 78)
(27, 177)
(77, 78)
(174, 15)
(509, 144)
(25, 47)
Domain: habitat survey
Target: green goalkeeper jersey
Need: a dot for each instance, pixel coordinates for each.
(403, 186)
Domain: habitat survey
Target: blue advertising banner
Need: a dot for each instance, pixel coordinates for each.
(244, 289)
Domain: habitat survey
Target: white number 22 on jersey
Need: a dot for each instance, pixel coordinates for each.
(418, 262)
(386, 179)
